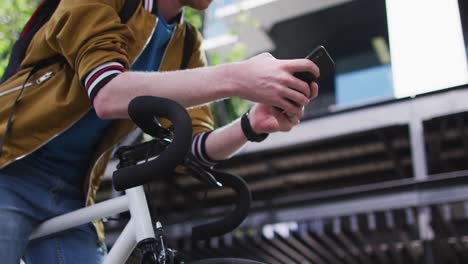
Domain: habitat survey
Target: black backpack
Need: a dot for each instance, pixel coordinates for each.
(43, 13)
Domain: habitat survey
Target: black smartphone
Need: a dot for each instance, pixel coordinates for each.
(323, 60)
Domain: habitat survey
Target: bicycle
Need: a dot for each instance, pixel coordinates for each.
(136, 168)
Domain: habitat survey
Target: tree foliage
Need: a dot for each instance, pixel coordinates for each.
(194, 17)
(13, 16)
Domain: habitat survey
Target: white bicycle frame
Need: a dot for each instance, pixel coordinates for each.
(137, 229)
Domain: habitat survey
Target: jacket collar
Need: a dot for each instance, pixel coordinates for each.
(180, 17)
(152, 7)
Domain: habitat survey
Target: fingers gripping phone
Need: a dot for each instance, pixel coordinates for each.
(324, 62)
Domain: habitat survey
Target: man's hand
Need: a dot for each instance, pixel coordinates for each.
(268, 119)
(268, 80)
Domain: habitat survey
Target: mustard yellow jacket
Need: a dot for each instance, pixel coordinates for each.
(87, 33)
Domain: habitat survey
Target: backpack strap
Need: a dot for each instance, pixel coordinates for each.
(189, 42)
(42, 14)
(127, 10)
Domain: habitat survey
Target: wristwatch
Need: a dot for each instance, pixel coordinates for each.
(248, 131)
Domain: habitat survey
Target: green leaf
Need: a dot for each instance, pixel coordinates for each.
(13, 16)
(194, 17)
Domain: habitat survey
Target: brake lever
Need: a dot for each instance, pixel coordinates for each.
(200, 172)
(131, 155)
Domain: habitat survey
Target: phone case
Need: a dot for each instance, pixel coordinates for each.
(324, 62)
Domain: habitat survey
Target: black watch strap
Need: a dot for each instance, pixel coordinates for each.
(248, 131)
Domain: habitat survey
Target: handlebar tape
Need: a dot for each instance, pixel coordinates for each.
(235, 218)
(143, 110)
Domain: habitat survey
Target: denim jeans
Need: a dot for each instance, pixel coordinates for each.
(29, 197)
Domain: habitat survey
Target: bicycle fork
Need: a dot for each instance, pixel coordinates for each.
(139, 233)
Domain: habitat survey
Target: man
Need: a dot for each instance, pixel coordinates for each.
(66, 123)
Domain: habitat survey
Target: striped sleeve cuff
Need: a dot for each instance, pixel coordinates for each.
(199, 149)
(100, 76)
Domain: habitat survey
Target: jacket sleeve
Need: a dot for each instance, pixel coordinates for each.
(202, 118)
(90, 36)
